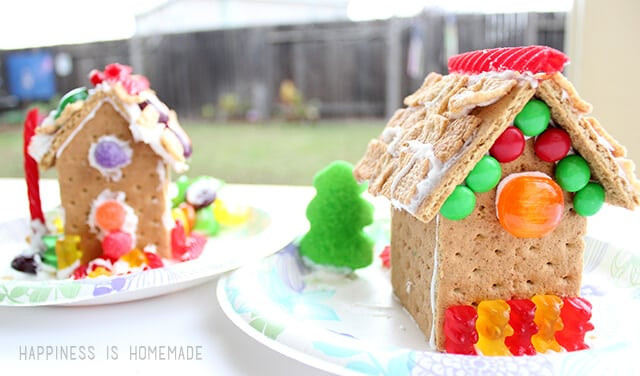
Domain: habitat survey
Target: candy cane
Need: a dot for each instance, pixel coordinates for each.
(31, 173)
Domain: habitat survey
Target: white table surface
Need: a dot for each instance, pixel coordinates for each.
(189, 317)
(186, 318)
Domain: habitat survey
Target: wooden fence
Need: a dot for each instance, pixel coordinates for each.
(351, 69)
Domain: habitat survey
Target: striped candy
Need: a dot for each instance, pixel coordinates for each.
(533, 59)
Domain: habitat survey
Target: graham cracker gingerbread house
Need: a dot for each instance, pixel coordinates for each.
(112, 147)
(464, 231)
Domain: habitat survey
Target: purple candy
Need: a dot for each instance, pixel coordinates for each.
(109, 154)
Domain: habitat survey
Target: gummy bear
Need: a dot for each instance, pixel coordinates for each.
(522, 315)
(460, 333)
(49, 256)
(493, 326)
(153, 260)
(98, 272)
(67, 251)
(385, 257)
(575, 315)
(548, 319)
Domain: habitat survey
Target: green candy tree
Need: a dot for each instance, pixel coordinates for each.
(337, 215)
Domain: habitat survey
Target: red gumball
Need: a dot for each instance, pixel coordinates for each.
(552, 145)
(116, 244)
(509, 146)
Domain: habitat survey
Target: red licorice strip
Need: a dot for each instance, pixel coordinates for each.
(31, 173)
(534, 59)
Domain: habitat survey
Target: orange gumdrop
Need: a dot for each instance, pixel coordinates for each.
(110, 216)
(529, 205)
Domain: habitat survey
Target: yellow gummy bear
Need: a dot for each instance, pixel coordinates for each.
(97, 272)
(67, 251)
(548, 319)
(58, 223)
(228, 215)
(135, 258)
(493, 327)
(179, 215)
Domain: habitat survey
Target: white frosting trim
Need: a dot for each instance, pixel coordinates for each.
(392, 136)
(39, 145)
(113, 173)
(434, 280)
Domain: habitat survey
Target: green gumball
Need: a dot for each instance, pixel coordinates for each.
(459, 204)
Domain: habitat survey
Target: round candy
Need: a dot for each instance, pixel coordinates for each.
(25, 264)
(534, 118)
(110, 215)
(529, 204)
(110, 154)
(230, 215)
(509, 146)
(552, 145)
(80, 93)
(459, 204)
(573, 173)
(202, 192)
(485, 175)
(206, 223)
(116, 244)
(589, 199)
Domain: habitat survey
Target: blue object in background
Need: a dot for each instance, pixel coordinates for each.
(31, 75)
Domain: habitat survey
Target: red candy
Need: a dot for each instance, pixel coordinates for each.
(460, 330)
(385, 256)
(509, 146)
(116, 244)
(115, 72)
(521, 320)
(186, 248)
(575, 315)
(80, 272)
(153, 260)
(31, 172)
(534, 59)
(552, 145)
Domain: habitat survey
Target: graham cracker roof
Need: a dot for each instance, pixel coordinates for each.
(167, 141)
(452, 121)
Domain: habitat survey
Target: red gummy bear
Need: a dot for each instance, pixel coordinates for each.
(575, 315)
(460, 333)
(534, 59)
(153, 260)
(521, 320)
(385, 256)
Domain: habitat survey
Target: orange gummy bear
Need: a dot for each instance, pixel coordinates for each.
(493, 327)
(135, 258)
(548, 319)
(110, 216)
(529, 205)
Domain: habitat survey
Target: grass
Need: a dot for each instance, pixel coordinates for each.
(271, 153)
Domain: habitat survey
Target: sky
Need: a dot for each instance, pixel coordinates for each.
(33, 23)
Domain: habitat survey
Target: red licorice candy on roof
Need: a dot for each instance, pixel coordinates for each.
(533, 59)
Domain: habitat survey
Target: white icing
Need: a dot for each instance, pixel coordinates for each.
(504, 75)
(68, 271)
(408, 287)
(80, 126)
(565, 95)
(161, 171)
(434, 280)
(436, 171)
(114, 173)
(39, 145)
(130, 224)
(38, 230)
(392, 136)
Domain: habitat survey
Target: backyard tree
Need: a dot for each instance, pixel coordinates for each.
(337, 215)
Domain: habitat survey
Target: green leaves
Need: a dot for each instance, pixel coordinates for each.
(270, 329)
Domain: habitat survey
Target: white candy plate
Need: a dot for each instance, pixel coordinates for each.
(270, 228)
(352, 324)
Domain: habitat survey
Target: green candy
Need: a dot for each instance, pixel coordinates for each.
(77, 94)
(534, 118)
(49, 256)
(589, 199)
(337, 215)
(182, 184)
(485, 175)
(573, 173)
(459, 204)
(206, 222)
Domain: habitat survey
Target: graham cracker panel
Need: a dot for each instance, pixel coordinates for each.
(80, 184)
(412, 246)
(479, 260)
